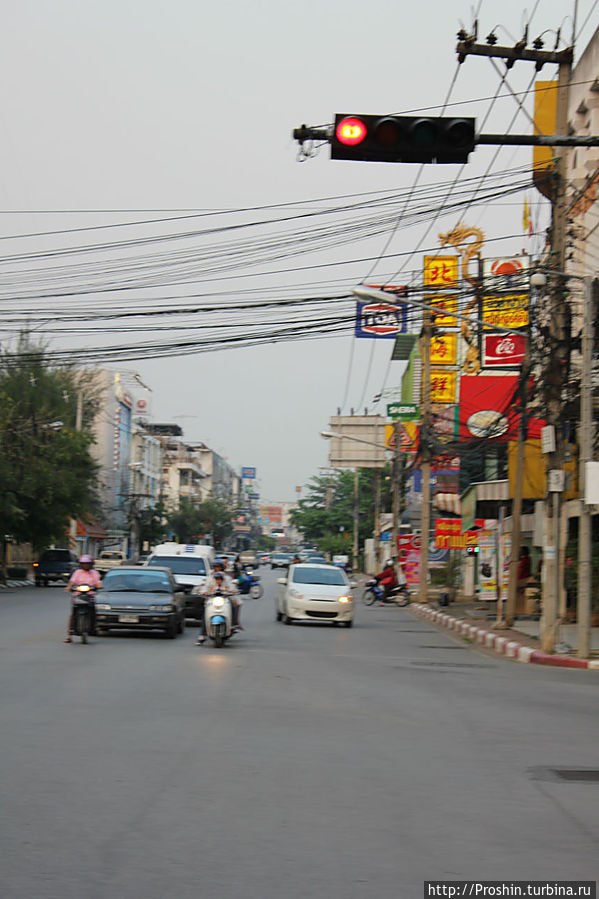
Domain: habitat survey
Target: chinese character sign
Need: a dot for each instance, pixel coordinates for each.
(447, 306)
(441, 271)
(444, 349)
(443, 386)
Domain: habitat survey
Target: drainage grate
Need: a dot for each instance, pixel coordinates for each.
(430, 664)
(443, 647)
(578, 775)
(565, 775)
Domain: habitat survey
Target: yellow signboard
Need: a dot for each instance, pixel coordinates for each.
(444, 349)
(509, 311)
(443, 386)
(445, 304)
(441, 271)
(409, 433)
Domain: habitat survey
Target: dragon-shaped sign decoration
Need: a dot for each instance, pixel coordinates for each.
(457, 238)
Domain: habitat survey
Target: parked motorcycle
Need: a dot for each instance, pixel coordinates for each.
(249, 584)
(83, 598)
(218, 613)
(373, 592)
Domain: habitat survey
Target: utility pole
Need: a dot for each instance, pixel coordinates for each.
(425, 450)
(583, 616)
(555, 367)
(356, 519)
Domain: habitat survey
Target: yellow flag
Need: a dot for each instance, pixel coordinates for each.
(526, 222)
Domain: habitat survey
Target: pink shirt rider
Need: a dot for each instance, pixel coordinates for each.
(81, 576)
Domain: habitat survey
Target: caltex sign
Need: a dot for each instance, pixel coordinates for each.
(380, 319)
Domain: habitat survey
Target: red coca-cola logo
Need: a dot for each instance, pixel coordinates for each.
(503, 350)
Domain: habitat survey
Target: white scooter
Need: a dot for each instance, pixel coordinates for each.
(218, 613)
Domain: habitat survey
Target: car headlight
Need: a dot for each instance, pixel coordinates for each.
(344, 599)
(103, 606)
(296, 594)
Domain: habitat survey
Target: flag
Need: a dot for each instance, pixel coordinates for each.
(526, 218)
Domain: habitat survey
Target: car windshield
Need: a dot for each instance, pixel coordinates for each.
(137, 582)
(56, 555)
(180, 564)
(281, 557)
(109, 556)
(329, 576)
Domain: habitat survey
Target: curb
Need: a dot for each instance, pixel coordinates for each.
(512, 649)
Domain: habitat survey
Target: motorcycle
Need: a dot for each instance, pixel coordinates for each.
(399, 595)
(218, 613)
(249, 584)
(83, 611)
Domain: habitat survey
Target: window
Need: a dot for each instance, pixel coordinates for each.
(328, 576)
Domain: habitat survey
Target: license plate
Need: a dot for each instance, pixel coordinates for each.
(128, 619)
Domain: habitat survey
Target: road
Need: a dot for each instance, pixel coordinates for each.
(302, 761)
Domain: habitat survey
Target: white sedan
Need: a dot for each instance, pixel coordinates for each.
(315, 593)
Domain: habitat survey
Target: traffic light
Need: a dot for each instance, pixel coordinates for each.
(372, 138)
(473, 550)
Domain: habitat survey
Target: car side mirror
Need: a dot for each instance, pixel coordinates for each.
(353, 584)
(282, 581)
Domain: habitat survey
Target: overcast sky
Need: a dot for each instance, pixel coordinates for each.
(128, 110)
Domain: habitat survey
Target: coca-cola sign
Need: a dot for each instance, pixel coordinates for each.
(503, 350)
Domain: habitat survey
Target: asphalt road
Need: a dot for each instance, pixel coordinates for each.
(303, 761)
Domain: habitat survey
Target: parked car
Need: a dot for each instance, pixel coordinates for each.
(54, 565)
(134, 598)
(109, 559)
(315, 593)
(280, 560)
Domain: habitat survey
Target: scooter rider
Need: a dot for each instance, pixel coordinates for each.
(387, 579)
(85, 574)
(219, 581)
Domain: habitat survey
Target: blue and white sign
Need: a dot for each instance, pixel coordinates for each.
(381, 319)
(248, 474)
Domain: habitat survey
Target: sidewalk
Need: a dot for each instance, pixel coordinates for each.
(474, 621)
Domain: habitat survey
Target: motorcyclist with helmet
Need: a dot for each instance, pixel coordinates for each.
(387, 579)
(219, 581)
(85, 574)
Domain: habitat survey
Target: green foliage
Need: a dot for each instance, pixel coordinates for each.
(192, 521)
(326, 515)
(153, 525)
(47, 473)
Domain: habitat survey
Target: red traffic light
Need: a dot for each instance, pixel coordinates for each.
(351, 131)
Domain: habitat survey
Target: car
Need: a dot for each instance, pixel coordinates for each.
(263, 558)
(147, 599)
(316, 560)
(54, 565)
(248, 558)
(280, 560)
(315, 593)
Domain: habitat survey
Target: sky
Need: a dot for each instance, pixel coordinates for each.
(152, 138)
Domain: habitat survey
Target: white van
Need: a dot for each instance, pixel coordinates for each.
(191, 564)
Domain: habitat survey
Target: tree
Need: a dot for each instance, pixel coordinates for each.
(326, 515)
(193, 521)
(47, 473)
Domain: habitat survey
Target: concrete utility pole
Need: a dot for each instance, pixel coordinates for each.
(583, 615)
(425, 467)
(555, 368)
(554, 376)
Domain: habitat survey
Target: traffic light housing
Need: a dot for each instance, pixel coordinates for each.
(374, 138)
(472, 550)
